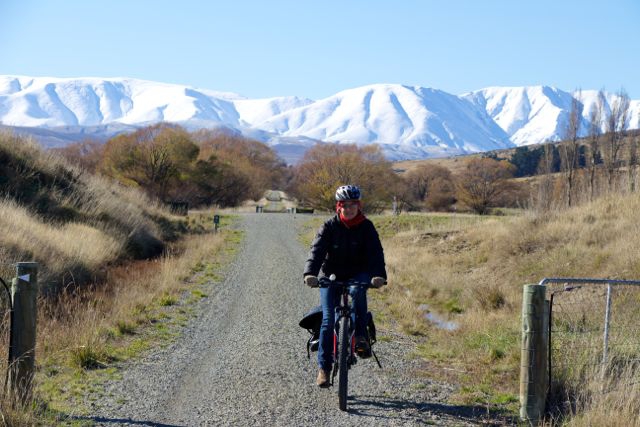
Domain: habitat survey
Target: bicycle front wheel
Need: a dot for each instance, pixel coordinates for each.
(343, 358)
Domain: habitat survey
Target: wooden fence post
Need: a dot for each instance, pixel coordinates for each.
(24, 291)
(534, 353)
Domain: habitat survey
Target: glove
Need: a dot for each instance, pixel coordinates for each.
(311, 281)
(377, 282)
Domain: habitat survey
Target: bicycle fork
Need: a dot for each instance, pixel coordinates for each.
(344, 312)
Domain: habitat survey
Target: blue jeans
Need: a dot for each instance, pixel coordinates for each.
(330, 298)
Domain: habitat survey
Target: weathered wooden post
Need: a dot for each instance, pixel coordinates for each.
(24, 291)
(534, 354)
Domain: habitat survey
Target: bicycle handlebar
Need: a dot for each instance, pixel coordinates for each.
(325, 282)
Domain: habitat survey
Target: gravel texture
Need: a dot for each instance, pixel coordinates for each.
(242, 360)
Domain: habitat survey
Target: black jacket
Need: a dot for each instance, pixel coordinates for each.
(346, 252)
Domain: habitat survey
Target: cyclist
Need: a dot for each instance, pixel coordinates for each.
(348, 246)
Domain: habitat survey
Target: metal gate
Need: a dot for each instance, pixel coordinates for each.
(594, 338)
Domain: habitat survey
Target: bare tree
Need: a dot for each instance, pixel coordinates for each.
(615, 127)
(432, 185)
(326, 166)
(569, 150)
(86, 154)
(483, 182)
(632, 164)
(595, 126)
(545, 186)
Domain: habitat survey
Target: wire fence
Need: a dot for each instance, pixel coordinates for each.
(594, 338)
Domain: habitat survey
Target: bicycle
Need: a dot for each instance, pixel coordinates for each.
(344, 348)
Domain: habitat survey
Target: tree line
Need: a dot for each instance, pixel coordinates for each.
(572, 171)
(207, 167)
(603, 161)
(214, 167)
(223, 168)
(484, 183)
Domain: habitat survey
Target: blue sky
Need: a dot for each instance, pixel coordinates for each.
(317, 48)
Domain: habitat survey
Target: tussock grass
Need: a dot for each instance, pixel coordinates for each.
(166, 300)
(472, 273)
(60, 248)
(612, 401)
(89, 329)
(70, 221)
(15, 416)
(111, 269)
(125, 299)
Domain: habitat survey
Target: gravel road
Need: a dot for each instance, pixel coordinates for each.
(242, 360)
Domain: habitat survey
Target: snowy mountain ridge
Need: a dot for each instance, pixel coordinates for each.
(407, 121)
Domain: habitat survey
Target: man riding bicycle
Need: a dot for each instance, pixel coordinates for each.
(348, 246)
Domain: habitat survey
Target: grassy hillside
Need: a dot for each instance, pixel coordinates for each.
(69, 221)
(118, 273)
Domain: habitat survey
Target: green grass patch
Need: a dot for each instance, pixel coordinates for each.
(198, 293)
(453, 306)
(124, 327)
(504, 399)
(167, 300)
(89, 357)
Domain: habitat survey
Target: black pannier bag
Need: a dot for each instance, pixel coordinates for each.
(371, 331)
(371, 328)
(312, 322)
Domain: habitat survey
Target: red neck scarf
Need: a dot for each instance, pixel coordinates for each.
(353, 222)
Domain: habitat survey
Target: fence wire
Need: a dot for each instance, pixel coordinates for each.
(594, 340)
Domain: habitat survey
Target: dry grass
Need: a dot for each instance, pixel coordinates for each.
(612, 402)
(83, 332)
(472, 273)
(85, 317)
(12, 416)
(111, 268)
(455, 164)
(69, 221)
(60, 248)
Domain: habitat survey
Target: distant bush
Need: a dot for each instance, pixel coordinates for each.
(325, 167)
(526, 161)
(431, 185)
(168, 163)
(484, 182)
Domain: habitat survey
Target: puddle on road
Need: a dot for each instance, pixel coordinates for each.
(438, 321)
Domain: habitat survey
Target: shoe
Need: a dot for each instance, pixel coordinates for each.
(363, 349)
(323, 378)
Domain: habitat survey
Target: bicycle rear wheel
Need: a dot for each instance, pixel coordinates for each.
(343, 362)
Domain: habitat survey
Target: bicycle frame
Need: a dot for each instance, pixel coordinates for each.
(343, 329)
(343, 310)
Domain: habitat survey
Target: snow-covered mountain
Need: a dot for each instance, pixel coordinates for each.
(410, 119)
(408, 122)
(537, 114)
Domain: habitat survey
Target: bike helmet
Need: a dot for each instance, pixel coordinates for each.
(347, 192)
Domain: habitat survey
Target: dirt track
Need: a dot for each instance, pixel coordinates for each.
(242, 360)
